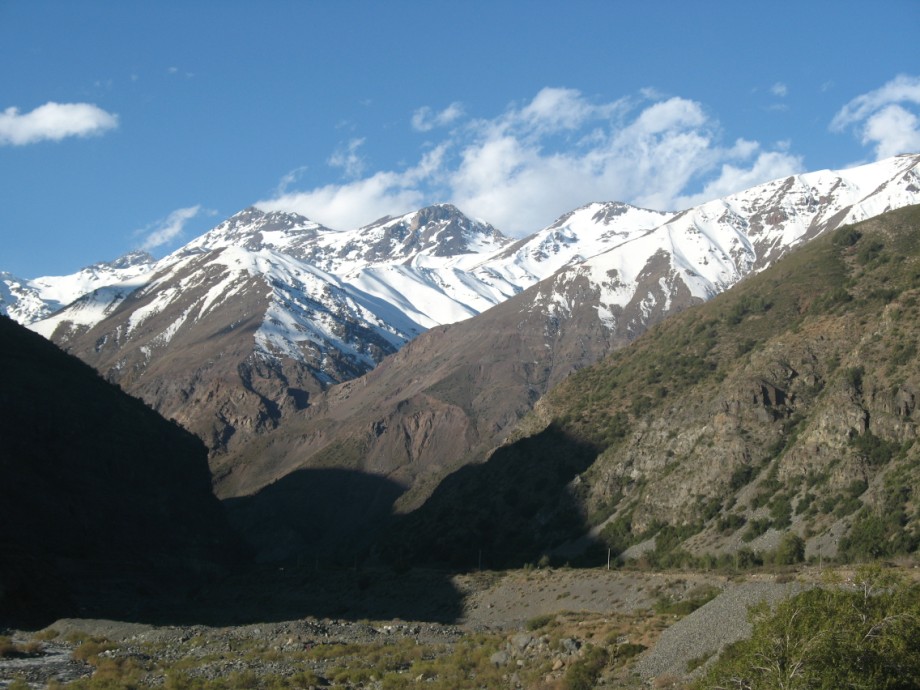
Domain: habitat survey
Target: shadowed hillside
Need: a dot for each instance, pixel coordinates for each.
(107, 511)
(502, 513)
(101, 500)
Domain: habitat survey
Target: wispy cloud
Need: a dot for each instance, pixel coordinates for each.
(347, 158)
(54, 121)
(167, 229)
(541, 158)
(289, 179)
(176, 70)
(425, 119)
(885, 118)
(362, 201)
(779, 89)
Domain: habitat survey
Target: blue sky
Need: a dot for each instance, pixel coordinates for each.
(142, 124)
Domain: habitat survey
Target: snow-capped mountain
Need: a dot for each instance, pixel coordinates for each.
(705, 250)
(268, 309)
(27, 301)
(456, 392)
(361, 293)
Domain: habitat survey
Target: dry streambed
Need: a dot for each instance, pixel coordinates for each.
(528, 629)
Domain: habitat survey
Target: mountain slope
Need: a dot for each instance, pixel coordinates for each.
(786, 405)
(251, 320)
(247, 330)
(27, 301)
(102, 501)
(247, 323)
(453, 394)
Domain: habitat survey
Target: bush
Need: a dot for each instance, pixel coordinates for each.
(862, 637)
(781, 511)
(583, 674)
(628, 650)
(742, 476)
(854, 377)
(731, 523)
(538, 622)
(870, 251)
(755, 529)
(791, 550)
(846, 236)
(90, 649)
(695, 599)
(875, 450)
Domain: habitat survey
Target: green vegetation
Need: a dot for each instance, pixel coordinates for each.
(691, 602)
(864, 636)
(874, 450)
(540, 621)
(748, 304)
(791, 550)
(583, 674)
(885, 530)
(825, 338)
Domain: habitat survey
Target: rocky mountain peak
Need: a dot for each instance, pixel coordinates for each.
(134, 258)
(608, 211)
(254, 229)
(439, 230)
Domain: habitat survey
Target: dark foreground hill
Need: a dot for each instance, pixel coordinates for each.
(102, 501)
(776, 421)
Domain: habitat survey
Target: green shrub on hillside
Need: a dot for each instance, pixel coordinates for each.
(583, 674)
(846, 236)
(791, 550)
(874, 450)
(867, 636)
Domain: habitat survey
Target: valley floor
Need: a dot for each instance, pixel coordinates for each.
(541, 628)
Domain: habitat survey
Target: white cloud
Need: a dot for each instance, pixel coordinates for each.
(351, 205)
(881, 118)
(289, 179)
(356, 203)
(555, 109)
(534, 161)
(347, 158)
(54, 121)
(769, 165)
(779, 89)
(425, 119)
(901, 88)
(892, 130)
(167, 229)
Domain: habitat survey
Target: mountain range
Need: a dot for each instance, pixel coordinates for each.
(414, 346)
